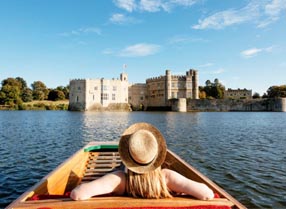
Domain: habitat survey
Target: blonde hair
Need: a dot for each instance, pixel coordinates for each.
(151, 184)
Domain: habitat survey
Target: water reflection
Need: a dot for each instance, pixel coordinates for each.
(243, 152)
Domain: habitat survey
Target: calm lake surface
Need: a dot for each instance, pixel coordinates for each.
(245, 153)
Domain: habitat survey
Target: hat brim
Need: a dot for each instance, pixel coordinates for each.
(124, 148)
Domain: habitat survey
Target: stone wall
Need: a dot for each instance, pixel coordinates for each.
(224, 105)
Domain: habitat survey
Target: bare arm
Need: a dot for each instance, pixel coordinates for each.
(110, 183)
(180, 184)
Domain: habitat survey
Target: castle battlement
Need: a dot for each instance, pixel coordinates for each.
(158, 78)
(78, 79)
(179, 77)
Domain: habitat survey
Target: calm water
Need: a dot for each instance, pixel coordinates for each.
(245, 153)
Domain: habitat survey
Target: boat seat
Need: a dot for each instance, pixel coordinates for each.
(101, 163)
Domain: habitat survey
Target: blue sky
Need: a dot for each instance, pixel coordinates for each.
(240, 42)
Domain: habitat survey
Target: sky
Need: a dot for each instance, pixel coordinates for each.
(240, 42)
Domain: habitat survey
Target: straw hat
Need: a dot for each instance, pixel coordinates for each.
(142, 148)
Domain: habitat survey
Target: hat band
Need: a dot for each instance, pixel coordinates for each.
(139, 163)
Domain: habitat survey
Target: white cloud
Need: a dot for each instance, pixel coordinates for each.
(254, 51)
(81, 31)
(272, 11)
(128, 5)
(185, 3)
(250, 52)
(122, 19)
(260, 12)
(118, 18)
(152, 5)
(229, 17)
(274, 8)
(209, 64)
(182, 39)
(139, 50)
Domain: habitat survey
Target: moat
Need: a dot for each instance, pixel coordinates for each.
(242, 152)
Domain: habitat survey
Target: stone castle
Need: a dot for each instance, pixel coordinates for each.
(166, 92)
(98, 94)
(105, 94)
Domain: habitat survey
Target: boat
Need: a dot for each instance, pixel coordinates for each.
(95, 160)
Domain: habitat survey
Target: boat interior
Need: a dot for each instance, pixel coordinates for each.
(97, 160)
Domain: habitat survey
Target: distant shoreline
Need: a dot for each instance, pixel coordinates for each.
(39, 105)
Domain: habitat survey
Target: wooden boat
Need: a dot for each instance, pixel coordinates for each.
(99, 158)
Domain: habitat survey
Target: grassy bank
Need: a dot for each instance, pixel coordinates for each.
(46, 105)
(39, 105)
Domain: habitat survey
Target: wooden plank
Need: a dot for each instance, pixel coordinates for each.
(117, 202)
(57, 178)
(174, 162)
(82, 167)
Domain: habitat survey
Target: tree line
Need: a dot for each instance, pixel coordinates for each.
(15, 91)
(215, 90)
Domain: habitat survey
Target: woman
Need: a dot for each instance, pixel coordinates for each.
(143, 149)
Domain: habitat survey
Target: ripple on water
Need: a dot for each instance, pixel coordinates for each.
(243, 153)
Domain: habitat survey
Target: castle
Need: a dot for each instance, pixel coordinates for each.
(237, 94)
(104, 94)
(98, 94)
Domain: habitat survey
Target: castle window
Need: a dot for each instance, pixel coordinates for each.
(114, 88)
(78, 88)
(77, 99)
(105, 88)
(104, 96)
(95, 88)
(174, 95)
(113, 96)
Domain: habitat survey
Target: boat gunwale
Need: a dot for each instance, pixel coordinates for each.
(21, 201)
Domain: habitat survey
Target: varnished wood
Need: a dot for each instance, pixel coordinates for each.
(83, 167)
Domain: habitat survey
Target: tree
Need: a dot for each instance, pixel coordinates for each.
(213, 90)
(10, 93)
(65, 90)
(22, 82)
(276, 91)
(202, 95)
(56, 95)
(256, 95)
(27, 95)
(40, 91)
(264, 96)
(208, 83)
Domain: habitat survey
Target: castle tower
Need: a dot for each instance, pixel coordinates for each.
(195, 84)
(168, 86)
(124, 77)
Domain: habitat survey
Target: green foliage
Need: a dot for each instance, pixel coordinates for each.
(10, 93)
(40, 91)
(212, 90)
(27, 95)
(65, 90)
(276, 91)
(14, 92)
(56, 95)
(256, 95)
(23, 83)
(264, 96)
